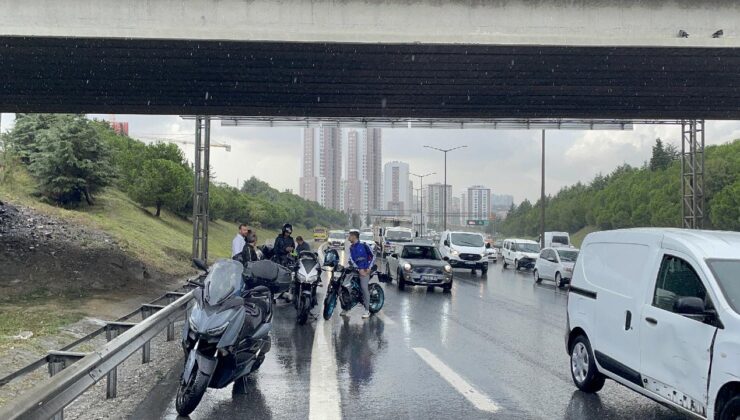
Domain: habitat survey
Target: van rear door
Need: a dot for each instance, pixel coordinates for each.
(676, 348)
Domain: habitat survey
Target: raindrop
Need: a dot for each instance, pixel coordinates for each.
(206, 96)
(295, 79)
(318, 99)
(413, 57)
(148, 102)
(383, 102)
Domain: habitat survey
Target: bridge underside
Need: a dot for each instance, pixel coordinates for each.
(332, 80)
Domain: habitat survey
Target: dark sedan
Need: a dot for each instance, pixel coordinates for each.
(418, 264)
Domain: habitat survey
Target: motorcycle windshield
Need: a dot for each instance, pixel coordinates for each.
(223, 280)
(308, 264)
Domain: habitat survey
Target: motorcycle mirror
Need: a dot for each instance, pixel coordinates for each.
(200, 264)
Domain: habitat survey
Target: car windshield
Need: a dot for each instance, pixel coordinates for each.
(467, 239)
(562, 240)
(366, 236)
(395, 235)
(727, 273)
(420, 253)
(224, 278)
(526, 247)
(567, 255)
(336, 235)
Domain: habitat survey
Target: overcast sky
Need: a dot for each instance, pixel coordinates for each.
(507, 161)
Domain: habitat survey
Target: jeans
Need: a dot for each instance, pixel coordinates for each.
(364, 282)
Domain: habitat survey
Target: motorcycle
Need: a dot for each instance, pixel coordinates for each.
(345, 287)
(226, 335)
(305, 281)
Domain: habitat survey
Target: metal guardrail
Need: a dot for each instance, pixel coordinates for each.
(73, 373)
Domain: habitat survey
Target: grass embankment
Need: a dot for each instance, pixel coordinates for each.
(164, 243)
(577, 238)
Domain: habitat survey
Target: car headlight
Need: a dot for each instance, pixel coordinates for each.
(454, 252)
(407, 267)
(485, 254)
(448, 268)
(218, 330)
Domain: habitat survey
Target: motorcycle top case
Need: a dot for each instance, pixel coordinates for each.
(268, 273)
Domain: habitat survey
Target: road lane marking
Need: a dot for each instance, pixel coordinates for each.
(478, 399)
(324, 400)
(383, 317)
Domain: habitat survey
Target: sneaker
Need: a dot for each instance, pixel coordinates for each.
(366, 315)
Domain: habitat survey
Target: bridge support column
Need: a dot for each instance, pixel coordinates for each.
(692, 174)
(200, 188)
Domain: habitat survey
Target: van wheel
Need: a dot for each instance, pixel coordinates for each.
(504, 265)
(583, 366)
(516, 265)
(558, 280)
(388, 273)
(731, 410)
(537, 278)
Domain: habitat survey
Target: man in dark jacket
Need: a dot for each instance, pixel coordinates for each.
(284, 245)
(302, 245)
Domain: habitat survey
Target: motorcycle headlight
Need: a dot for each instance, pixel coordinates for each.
(407, 267)
(454, 252)
(448, 268)
(218, 330)
(191, 322)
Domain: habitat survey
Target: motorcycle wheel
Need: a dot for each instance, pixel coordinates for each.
(303, 309)
(191, 392)
(330, 302)
(377, 298)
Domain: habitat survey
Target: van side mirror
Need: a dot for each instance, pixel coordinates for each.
(394, 255)
(380, 232)
(446, 242)
(446, 258)
(689, 305)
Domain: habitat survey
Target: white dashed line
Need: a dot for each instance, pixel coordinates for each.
(324, 400)
(478, 399)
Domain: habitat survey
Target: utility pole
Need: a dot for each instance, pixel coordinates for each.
(542, 195)
(421, 198)
(444, 187)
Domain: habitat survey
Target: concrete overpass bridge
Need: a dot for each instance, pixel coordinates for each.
(367, 59)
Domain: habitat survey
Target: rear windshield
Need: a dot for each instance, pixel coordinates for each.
(567, 255)
(366, 236)
(727, 273)
(395, 235)
(563, 240)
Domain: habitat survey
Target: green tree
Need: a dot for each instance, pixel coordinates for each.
(163, 183)
(725, 208)
(69, 160)
(661, 156)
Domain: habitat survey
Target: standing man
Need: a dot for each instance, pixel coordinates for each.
(302, 245)
(362, 257)
(237, 245)
(284, 244)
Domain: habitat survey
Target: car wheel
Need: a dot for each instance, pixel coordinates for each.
(447, 288)
(504, 265)
(583, 366)
(484, 270)
(537, 278)
(558, 280)
(401, 282)
(731, 410)
(516, 265)
(388, 272)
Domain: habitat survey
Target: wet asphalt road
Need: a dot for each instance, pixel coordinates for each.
(500, 334)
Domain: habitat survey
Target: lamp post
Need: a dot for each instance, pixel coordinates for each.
(444, 187)
(421, 196)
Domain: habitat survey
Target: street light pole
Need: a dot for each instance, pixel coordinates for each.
(542, 195)
(421, 198)
(444, 187)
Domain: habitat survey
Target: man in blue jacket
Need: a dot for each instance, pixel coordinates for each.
(362, 257)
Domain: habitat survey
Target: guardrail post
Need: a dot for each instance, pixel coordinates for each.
(58, 361)
(111, 386)
(171, 325)
(145, 349)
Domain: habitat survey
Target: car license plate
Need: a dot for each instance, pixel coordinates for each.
(427, 278)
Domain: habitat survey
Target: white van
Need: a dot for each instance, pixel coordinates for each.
(658, 311)
(557, 239)
(520, 253)
(464, 250)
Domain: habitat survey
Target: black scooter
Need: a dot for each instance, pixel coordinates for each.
(226, 335)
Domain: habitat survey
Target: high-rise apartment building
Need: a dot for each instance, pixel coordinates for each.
(456, 214)
(355, 193)
(373, 161)
(502, 201)
(321, 166)
(396, 193)
(479, 203)
(435, 203)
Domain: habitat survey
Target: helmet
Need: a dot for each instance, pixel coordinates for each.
(288, 228)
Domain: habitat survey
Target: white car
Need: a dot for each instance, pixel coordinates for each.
(520, 253)
(658, 311)
(555, 264)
